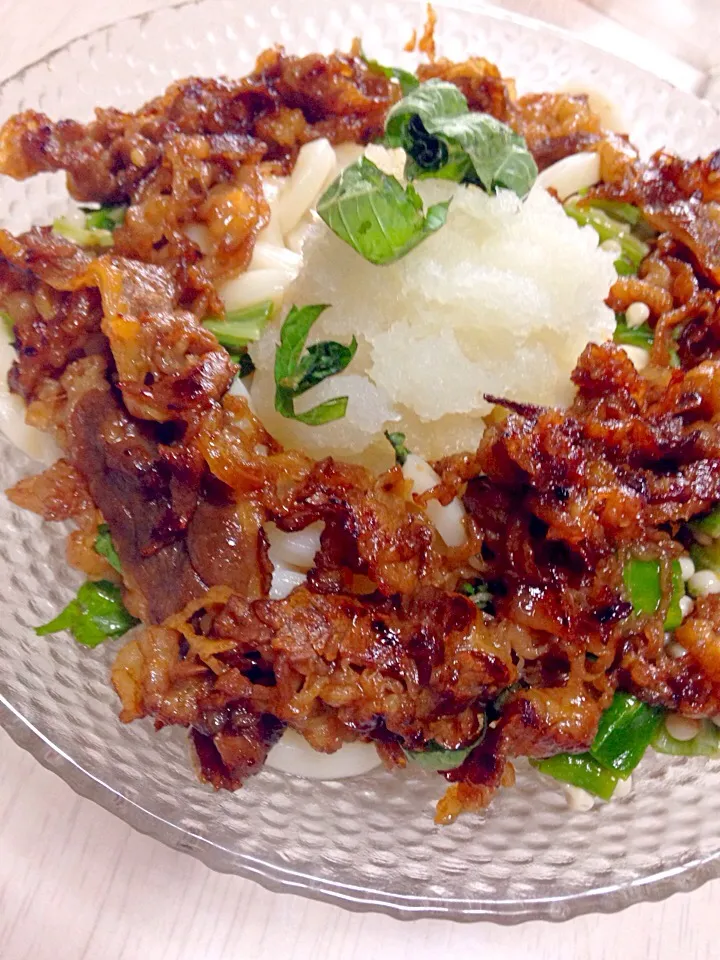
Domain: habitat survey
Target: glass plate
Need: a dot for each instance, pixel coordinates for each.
(367, 843)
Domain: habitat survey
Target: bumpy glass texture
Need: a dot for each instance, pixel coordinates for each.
(368, 843)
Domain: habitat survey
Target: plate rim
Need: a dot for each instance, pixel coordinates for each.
(682, 878)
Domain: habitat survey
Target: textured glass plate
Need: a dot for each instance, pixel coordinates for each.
(368, 843)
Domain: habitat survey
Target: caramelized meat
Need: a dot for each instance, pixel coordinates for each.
(678, 198)
(286, 102)
(378, 644)
(58, 493)
(173, 538)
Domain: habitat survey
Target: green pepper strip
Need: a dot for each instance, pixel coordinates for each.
(624, 734)
(709, 524)
(580, 770)
(641, 336)
(625, 731)
(642, 582)
(706, 557)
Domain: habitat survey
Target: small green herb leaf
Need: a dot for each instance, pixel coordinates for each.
(433, 103)
(397, 441)
(376, 215)
(434, 757)
(295, 373)
(97, 613)
(408, 81)
(106, 548)
(321, 360)
(444, 140)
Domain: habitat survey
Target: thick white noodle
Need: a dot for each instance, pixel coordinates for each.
(36, 444)
(313, 171)
(294, 755)
(296, 549)
(292, 555)
(253, 287)
(570, 175)
(449, 520)
(270, 256)
(284, 581)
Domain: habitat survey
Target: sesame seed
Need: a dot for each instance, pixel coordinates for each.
(611, 246)
(702, 583)
(578, 799)
(681, 728)
(687, 567)
(686, 606)
(637, 314)
(623, 789)
(639, 356)
(676, 650)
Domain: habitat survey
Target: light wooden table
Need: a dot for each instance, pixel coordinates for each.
(77, 884)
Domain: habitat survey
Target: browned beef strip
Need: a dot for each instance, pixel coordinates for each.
(173, 543)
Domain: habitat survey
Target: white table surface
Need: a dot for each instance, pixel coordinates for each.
(77, 884)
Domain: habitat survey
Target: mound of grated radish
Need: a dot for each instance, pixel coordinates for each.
(502, 300)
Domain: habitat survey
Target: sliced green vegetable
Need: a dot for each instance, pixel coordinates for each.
(641, 336)
(705, 744)
(408, 81)
(633, 249)
(434, 757)
(444, 140)
(295, 373)
(238, 328)
(376, 215)
(674, 615)
(642, 583)
(624, 268)
(624, 733)
(106, 548)
(626, 212)
(706, 556)
(98, 229)
(708, 525)
(97, 613)
(477, 591)
(8, 325)
(580, 770)
(81, 235)
(106, 217)
(397, 441)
